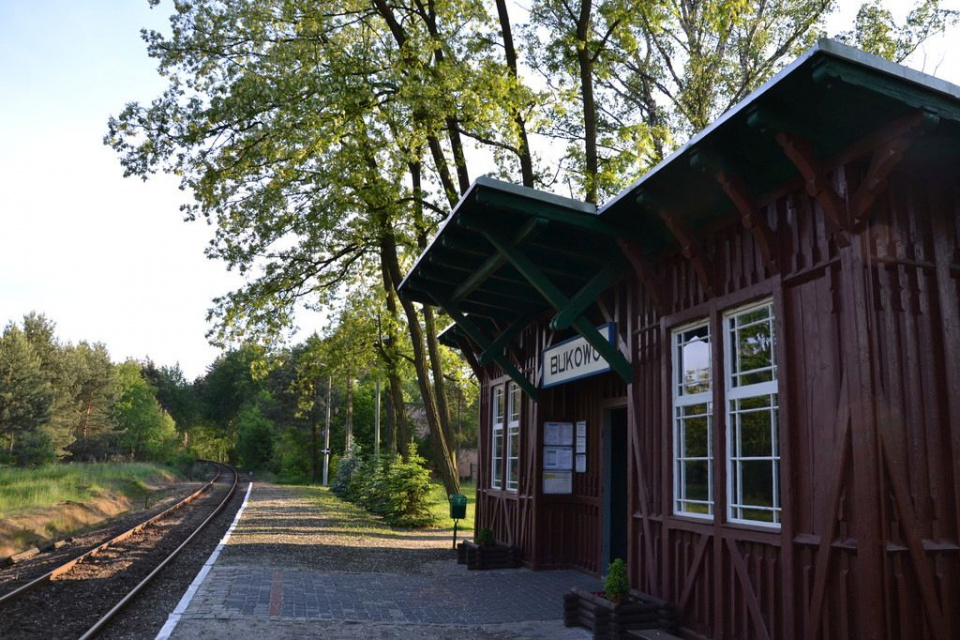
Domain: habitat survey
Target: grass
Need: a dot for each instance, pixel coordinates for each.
(440, 507)
(24, 489)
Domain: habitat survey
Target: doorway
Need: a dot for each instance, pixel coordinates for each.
(615, 517)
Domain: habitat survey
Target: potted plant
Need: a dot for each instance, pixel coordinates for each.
(485, 553)
(617, 609)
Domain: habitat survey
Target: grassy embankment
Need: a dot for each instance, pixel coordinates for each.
(37, 505)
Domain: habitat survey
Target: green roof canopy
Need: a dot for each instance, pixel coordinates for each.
(507, 254)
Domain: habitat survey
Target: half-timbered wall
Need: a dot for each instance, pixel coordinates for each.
(869, 424)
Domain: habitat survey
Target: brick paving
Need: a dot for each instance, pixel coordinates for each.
(272, 595)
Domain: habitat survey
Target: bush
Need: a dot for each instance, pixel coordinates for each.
(346, 468)
(616, 586)
(388, 486)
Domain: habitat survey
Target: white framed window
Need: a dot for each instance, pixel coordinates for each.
(513, 436)
(496, 464)
(693, 421)
(750, 385)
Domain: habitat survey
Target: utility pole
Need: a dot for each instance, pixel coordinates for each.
(376, 423)
(326, 436)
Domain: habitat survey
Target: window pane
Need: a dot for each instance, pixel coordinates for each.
(756, 478)
(498, 405)
(693, 360)
(514, 403)
(697, 480)
(752, 340)
(755, 422)
(696, 434)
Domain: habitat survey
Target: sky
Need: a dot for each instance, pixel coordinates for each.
(109, 259)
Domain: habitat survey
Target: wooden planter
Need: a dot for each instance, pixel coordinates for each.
(497, 556)
(610, 621)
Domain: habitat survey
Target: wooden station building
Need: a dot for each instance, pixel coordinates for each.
(742, 374)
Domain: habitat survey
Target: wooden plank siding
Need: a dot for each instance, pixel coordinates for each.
(869, 425)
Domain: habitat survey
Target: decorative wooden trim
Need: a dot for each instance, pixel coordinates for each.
(501, 342)
(750, 216)
(828, 526)
(918, 555)
(740, 567)
(692, 250)
(819, 187)
(690, 578)
(644, 273)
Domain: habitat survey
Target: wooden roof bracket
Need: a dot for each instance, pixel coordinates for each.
(559, 301)
(756, 224)
(503, 340)
(644, 273)
(530, 228)
(896, 139)
(738, 193)
(599, 283)
(800, 153)
(483, 342)
(691, 249)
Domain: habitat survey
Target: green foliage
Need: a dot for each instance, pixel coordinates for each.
(388, 486)
(25, 394)
(485, 538)
(616, 586)
(347, 467)
(146, 431)
(255, 435)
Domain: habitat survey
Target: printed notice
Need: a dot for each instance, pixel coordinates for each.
(558, 434)
(582, 436)
(558, 458)
(557, 482)
(581, 463)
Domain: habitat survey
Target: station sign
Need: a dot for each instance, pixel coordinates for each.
(574, 359)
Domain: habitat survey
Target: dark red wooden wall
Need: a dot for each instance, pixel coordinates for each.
(869, 378)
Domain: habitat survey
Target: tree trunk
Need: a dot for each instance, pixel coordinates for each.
(443, 460)
(526, 160)
(585, 63)
(398, 436)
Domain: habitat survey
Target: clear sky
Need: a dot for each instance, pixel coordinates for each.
(110, 259)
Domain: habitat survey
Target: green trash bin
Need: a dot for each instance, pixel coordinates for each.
(458, 506)
(458, 511)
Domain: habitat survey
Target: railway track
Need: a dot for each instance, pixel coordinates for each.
(77, 598)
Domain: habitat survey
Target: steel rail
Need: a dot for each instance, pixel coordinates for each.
(92, 631)
(55, 573)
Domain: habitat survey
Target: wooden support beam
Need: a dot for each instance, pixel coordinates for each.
(558, 300)
(750, 216)
(645, 274)
(587, 294)
(506, 336)
(894, 140)
(494, 262)
(483, 342)
(800, 153)
(692, 250)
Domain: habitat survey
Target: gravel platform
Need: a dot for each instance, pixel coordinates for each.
(300, 564)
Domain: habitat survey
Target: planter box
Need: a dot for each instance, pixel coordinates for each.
(610, 621)
(498, 556)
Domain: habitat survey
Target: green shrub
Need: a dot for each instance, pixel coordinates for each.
(616, 586)
(346, 468)
(485, 538)
(388, 486)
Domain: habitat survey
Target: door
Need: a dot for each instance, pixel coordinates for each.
(614, 486)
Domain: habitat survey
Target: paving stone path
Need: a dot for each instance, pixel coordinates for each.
(294, 569)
